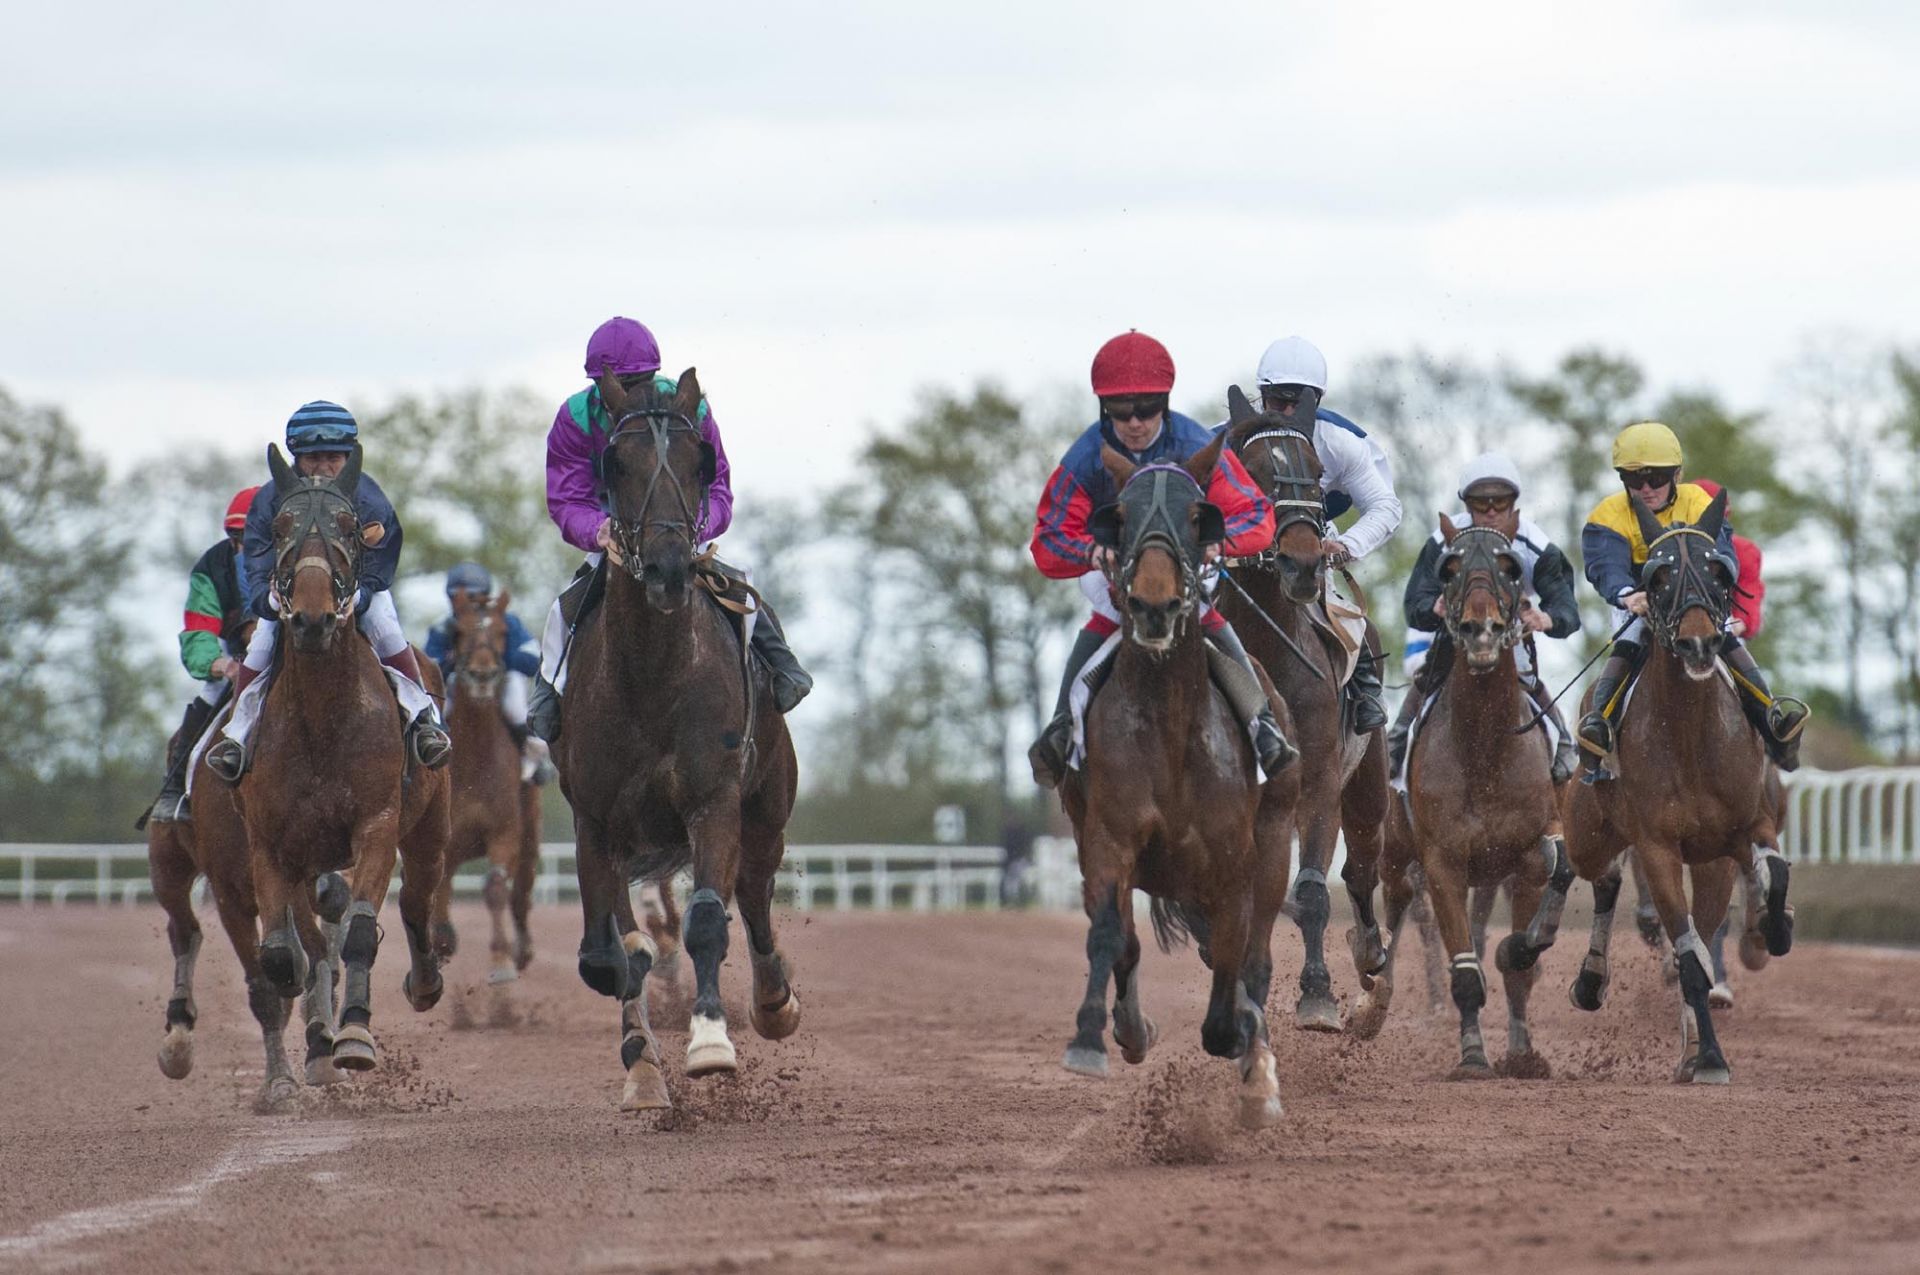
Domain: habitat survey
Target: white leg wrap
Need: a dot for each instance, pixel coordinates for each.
(381, 624)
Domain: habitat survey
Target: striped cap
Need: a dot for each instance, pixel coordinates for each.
(321, 426)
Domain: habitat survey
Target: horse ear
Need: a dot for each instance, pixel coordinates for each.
(284, 479)
(686, 399)
(1650, 528)
(1201, 463)
(1238, 408)
(1104, 525)
(1209, 522)
(1119, 468)
(612, 394)
(1447, 530)
(1716, 515)
(348, 483)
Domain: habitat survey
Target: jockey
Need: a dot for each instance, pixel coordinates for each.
(1132, 375)
(578, 503)
(216, 613)
(1750, 596)
(522, 662)
(1356, 474)
(1648, 459)
(1490, 486)
(321, 435)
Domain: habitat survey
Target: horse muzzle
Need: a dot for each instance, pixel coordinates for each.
(312, 633)
(1697, 655)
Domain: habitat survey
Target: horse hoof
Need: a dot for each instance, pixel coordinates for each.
(1753, 950)
(1589, 991)
(176, 1052)
(708, 1050)
(1515, 955)
(1777, 930)
(353, 1048)
(646, 1089)
(504, 972)
(1135, 1051)
(277, 1095)
(1369, 1016)
(1316, 1014)
(1721, 997)
(1083, 1061)
(427, 997)
(1696, 1070)
(1471, 1069)
(1721, 1075)
(522, 952)
(780, 1023)
(322, 1072)
(1526, 1065)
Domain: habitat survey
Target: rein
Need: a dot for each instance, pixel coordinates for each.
(661, 423)
(1695, 589)
(1158, 528)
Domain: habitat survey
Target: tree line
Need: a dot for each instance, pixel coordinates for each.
(909, 588)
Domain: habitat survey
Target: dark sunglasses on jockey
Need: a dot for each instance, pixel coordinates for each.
(1274, 397)
(1143, 408)
(1491, 504)
(1647, 479)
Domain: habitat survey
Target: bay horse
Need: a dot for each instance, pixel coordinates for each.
(1273, 603)
(1481, 806)
(495, 813)
(672, 750)
(333, 787)
(1169, 800)
(1691, 787)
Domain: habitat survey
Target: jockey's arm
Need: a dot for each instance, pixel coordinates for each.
(1553, 580)
(1424, 589)
(1246, 510)
(573, 494)
(1610, 567)
(1062, 547)
(380, 563)
(256, 558)
(720, 494)
(1361, 470)
(523, 653)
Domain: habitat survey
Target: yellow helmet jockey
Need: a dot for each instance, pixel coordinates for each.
(1648, 445)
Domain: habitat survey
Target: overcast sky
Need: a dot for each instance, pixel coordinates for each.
(209, 214)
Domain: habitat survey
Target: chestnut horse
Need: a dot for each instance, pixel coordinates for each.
(1481, 805)
(496, 814)
(332, 787)
(1691, 788)
(668, 754)
(1169, 800)
(1273, 602)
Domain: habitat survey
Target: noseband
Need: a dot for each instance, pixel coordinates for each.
(1480, 572)
(318, 503)
(1159, 528)
(661, 423)
(1696, 589)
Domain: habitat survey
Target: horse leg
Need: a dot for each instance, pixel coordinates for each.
(373, 861)
(317, 1004)
(715, 834)
(603, 963)
(1518, 962)
(1259, 1073)
(1549, 878)
(775, 1008)
(1133, 1031)
(1363, 814)
(1768, 912)
(1645, 914)
(1401, 895)
(526, 866)
(1233, 1021)
(1589, 989)
(446, 940)
(422, 854)
(662, 918)
(502, 846)
(1433, 958)
(1106, 937)
(171, 870)
(1447, 888)
(1316, 1010)
(1701, 1059)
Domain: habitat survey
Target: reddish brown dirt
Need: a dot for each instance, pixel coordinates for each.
(921, 1121)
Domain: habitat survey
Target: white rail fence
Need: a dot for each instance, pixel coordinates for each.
(919, 878)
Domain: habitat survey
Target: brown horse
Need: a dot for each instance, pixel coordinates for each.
(1169, 800)
(669, 755)
(1274, 604)
(1481, 803)
(1691, 787)
(492, 806)
(332, 788)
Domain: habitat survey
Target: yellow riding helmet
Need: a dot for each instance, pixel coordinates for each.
(1648, 445)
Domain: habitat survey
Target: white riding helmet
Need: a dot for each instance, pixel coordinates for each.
(1489, 467)
(1294, 360)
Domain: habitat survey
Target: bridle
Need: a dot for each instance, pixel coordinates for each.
(1695, 589)
(467, 643)
(1159, 528)
(661, 423)
(1294, 491)
(319, 502)
(1478, 550)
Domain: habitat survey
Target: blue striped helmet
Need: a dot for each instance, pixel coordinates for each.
(321, 426)
(471, 577)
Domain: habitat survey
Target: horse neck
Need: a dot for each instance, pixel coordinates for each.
(1483, 708)
(640, 637)
(1682, 708)
(1156, 682)
(328, 679)
(1263, 587)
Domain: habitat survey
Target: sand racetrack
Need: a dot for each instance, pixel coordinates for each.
(921, 1121)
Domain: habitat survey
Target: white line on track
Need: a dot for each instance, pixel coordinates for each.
(247, 1157)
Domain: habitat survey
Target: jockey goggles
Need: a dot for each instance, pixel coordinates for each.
(1491, 504)
(1143, 408)
(1647, 479)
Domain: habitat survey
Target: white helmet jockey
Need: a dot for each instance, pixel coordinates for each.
(1294, 360)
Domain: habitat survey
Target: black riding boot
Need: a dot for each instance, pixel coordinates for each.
(543, 701)
(1779, 721)
(1048, 756)
(1566, 755)
(171, 805)
(790, 682)
(1402, 727)
(1596, 728)
(1364, 689)
(1250, 701)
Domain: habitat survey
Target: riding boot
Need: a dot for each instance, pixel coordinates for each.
(1566, 756)
(1402, 727)
(228, 757)
(1250, 702)
(1048, 756)
(1364, 690)
(1596, 728)
(171, 805)
(556, 640)
(1779, 721)
(790, 682)
(425, 735)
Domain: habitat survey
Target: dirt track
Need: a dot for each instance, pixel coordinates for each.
(921, 1121)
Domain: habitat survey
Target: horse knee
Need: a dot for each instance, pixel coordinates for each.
(331, 897)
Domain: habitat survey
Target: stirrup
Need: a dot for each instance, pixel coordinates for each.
(170, 808)
(429, 743)
(1277, 752)
(1048, 756)
(1793, 712)
(228, 759)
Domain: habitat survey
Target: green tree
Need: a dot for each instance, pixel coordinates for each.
(1588, 399)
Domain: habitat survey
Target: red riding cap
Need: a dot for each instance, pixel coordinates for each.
(237, 509)
(1132, 363)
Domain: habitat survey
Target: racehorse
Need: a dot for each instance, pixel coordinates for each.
(1273, 602)
(495, 813)
(1480, 803)
(672, 750)
(1169, 799)
(332, 787)
(1691, 787)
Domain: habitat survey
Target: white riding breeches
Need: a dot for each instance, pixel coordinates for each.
(211, 690)
(1634, 632)
(380, 622)
(513, 698)
(553, 634)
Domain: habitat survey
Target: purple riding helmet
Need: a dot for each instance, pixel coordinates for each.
(622, 346)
